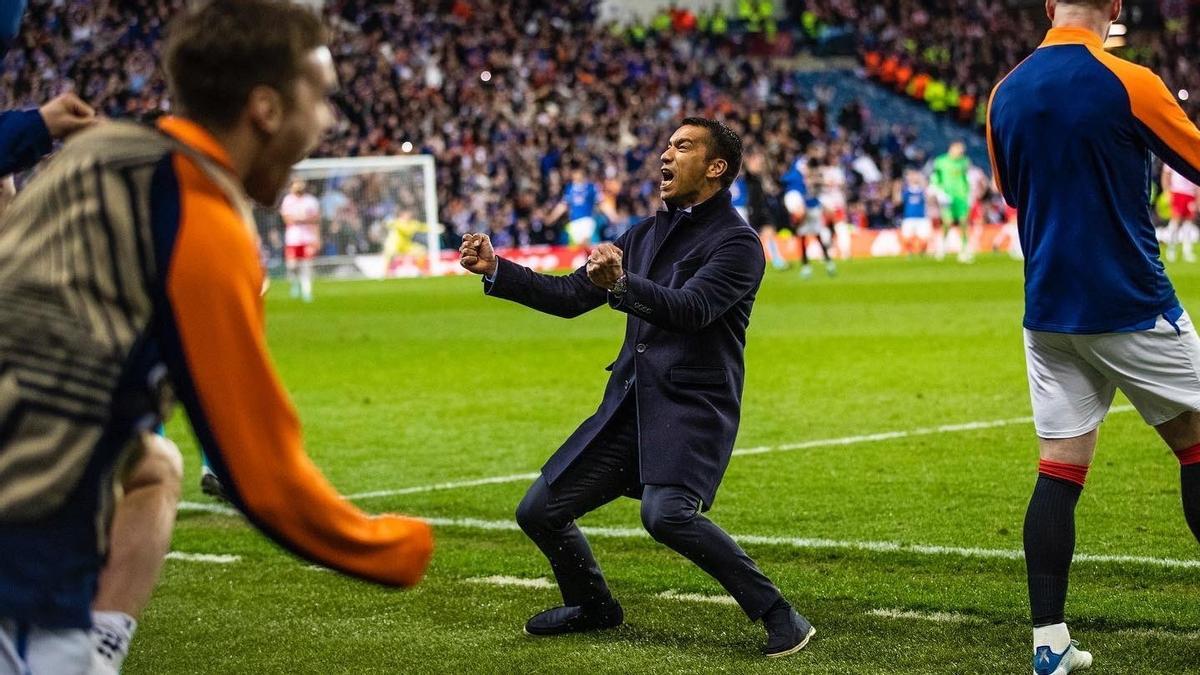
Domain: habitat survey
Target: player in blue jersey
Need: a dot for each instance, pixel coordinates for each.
(795, 188)
(580, 201)
(1071, 131)
(813, 223)
(916, 227)
(740, 198)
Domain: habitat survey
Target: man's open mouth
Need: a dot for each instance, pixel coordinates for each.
(667, 177)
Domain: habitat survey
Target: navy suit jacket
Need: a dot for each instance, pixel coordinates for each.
(689, 302)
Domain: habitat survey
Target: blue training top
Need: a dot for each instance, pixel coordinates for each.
(1070, 133)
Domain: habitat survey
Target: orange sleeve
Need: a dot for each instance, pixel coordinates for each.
(991, 142)
(1164, 125)
(991, 146)
(240, 411)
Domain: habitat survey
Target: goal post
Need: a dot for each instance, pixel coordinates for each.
(378, 217)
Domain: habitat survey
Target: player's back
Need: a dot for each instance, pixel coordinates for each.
(76, 259)
(1070, 131)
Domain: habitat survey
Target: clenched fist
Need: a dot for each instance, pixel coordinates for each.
(604, 266)
(66, 114)
(477, 255)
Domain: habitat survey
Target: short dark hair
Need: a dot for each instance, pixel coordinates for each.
(218, 51)
(1094, 4)
(724, 143)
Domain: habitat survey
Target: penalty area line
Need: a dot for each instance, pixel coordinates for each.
(801, 543)
(215, 558)
(542, 583)
(743, 452)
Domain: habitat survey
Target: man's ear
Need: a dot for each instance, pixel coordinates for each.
(1116, 12)
(717, 168)
(266, 109)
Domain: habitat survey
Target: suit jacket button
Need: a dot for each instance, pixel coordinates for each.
(640, 348)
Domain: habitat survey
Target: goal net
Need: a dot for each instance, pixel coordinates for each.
(378, 217)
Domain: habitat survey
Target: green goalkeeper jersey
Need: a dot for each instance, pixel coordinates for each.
(950, 174)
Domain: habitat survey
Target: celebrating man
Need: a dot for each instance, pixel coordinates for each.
(665, 429)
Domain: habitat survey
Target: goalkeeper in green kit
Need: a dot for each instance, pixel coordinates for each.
(953, 187)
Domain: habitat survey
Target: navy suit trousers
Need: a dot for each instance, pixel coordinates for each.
(670, 513)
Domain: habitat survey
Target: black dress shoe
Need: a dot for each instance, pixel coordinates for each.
(787, 631)
(562, 620)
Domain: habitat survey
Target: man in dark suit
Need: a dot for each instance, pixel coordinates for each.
(665, 429)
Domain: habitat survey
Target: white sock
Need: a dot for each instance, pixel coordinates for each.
(111, 634)
(1055, 635)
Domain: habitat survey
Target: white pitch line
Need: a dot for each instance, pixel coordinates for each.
(521, 582)
(544, 583)
(697, 597)
(851, 545)
(912, 615)
(547, 584)
(201, 507)
(893, 435)
(743, 452)
(494, 480)
(1160, 633)
(218, 558)
(791, 542)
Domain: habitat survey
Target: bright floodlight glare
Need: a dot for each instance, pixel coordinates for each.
(486, 76)
(407, 146)
(1118, 29)
(1183, 94)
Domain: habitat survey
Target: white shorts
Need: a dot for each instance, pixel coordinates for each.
(1073, 378)
(921, 228)
(300, 235)
(793, 201)
(30, 650)
(833, 201)
(812, 226)
(581, 230)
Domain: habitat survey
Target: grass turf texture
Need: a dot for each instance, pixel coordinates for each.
(410, 383)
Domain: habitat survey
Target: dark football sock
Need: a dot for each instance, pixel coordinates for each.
(1189, 481)
(1050, 545)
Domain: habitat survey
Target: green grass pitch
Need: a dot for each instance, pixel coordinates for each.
(413, 383)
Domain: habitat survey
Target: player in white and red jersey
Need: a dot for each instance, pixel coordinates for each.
(1182, 227)
(832, 195)
(301, 214)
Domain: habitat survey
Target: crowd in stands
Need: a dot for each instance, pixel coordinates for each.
(511, 96)
(949, 54)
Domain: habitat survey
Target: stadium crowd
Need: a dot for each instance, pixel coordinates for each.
(946, 53)
(512, 97)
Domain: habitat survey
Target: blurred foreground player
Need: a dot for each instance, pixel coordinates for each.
(127, 270)
(687, 279)
(1070, 132)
